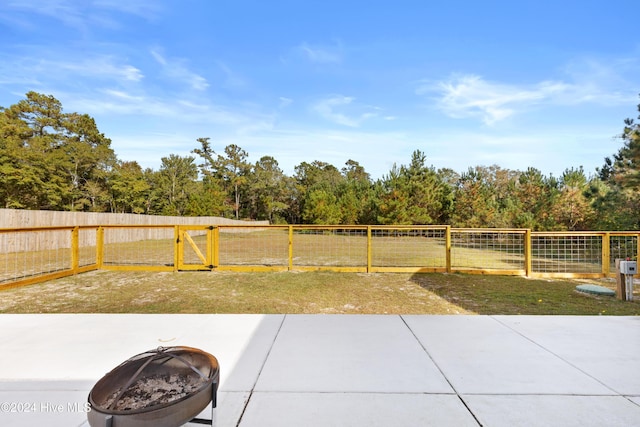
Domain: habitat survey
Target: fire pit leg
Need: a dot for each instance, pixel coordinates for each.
(108, 421)
(214, 404)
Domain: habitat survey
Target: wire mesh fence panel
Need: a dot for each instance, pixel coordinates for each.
(87, 244)
(330, 247)
(566, 253)
(253, 246)
(138, 246)
(194, 246)
(623, 246)
(487, 250)
(408, 247)
(33, 253)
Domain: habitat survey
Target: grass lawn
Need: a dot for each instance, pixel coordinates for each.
(518, 295)
(309, 292)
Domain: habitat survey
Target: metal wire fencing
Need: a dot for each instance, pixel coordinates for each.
(622, 246)
(321, 247)
(502, 250)
(573, 253)
(138, 246)
(406, 248)
(36, 254)
(253, 246)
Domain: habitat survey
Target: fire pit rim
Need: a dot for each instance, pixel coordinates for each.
(211, 379)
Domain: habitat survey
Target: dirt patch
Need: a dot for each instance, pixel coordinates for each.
(228, 292)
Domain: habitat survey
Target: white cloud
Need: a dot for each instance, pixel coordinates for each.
(81, 15)
(284, 102)
(469, 95)
(608, 83)
(158, 57)
(328, 108)
(112, 102)
(143, 8)
(472, 96)
(232, 79)
(69, 68)
(99, 66)
(65, 11)
(176, 69)
(123, 95)
(321, 54)
(102, 66)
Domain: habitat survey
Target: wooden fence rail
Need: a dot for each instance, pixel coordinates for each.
(39, 219)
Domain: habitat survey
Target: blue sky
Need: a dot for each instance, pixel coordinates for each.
(545, 84)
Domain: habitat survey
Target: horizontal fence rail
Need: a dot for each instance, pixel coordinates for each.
(37, 254)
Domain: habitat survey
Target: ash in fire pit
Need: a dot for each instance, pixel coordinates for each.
(154, 390)
(166, 387)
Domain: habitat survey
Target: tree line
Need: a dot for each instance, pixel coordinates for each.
(60, 161)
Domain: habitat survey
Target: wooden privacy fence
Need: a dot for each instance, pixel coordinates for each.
(24, 218)
(31, 255)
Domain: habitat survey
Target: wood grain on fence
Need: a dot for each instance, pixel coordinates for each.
(57, 239)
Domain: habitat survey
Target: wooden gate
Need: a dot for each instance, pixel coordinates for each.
(195, 247)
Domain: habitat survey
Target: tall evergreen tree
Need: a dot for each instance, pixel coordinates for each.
(177, 181)
(572, 209)
(51, 160)
(475, 202)
(355, 195)
(130, 189)
(617, 203)
(229, 170)
(268, 192)
(414, 194)
(535, 195)
(317, 183)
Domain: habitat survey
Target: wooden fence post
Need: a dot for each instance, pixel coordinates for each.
(176, 247)
(100, 247)
(369, 249)
(447, 247)
(527, 253)
(606, 254)
(290, 247)
(75, 249)
(621, 286)
(216, 247)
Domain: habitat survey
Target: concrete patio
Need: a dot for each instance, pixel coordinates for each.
(342, 370)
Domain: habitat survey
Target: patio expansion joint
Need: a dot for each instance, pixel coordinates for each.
(630, 399)
(545, 394)
(462, 400)
(384, 393)
(253, 386)
(537, 344)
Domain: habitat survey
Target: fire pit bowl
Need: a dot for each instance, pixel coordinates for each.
(166, 387)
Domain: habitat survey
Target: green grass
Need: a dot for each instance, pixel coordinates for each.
(518, 295)
(308, 292)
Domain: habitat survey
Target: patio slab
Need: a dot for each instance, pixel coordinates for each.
(87, 346)
(347, 370)
(349, 353)
(553, 410)
(480, 355)
(605, 348)
(277, 409)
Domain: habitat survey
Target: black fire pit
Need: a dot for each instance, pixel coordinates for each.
(166, 387)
